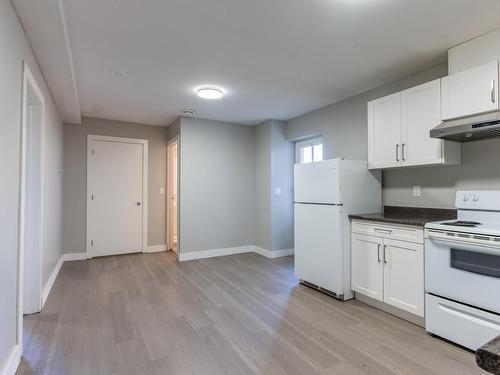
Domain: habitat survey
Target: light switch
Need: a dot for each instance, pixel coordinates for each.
(162, 191)
(417, 191)
(277, 191)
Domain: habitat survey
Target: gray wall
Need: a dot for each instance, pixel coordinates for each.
(217, 185)
(75, 177)
(282, 160)
(273, 169)
(343, 127)
(480, 170)
(263, 185)
(15, 49)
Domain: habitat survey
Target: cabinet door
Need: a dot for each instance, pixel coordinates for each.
(404, 275)
(367, 267)
(420, 112)
(384, 132)
(470, 92)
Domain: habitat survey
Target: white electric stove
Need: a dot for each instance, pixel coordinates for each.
(462, 271)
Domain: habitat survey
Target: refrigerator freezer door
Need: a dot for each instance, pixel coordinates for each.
(318, 246)
(318, 182)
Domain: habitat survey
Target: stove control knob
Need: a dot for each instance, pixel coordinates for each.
(465, 197)
(475, 198)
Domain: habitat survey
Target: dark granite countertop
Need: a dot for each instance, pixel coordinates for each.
(488, 356)
(416, 216)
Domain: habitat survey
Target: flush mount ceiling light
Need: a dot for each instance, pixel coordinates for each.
(209, 92)
(117, 74)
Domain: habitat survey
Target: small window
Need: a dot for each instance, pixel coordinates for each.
(309, 150)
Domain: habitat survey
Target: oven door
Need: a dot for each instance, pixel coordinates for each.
(464, 268)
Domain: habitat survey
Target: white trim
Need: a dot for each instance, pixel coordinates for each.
(144, 142)
(53, 276)
(13, 361)
(215, 253)
(170, 242)
(156, 248)
(50, 282)
(273, 253)
(74, 256)
(28, 78)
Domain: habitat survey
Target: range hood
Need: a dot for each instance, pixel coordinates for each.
(468, 129)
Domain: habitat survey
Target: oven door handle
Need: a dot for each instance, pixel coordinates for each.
(465, 244)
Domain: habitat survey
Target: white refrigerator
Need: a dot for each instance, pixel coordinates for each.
(325, 194)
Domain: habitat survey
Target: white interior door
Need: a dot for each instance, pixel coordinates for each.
(318, 245)
(116, 197)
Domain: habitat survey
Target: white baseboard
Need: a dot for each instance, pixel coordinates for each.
(74, 256)
(50, 282)
(13, 361)
(234, 250)
(215, 253)
(156, 248)
(273, 253)
(52, 278)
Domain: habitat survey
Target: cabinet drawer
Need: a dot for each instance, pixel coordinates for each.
(394, 232)
(459, 323)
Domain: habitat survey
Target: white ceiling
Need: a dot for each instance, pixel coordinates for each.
(276, 59)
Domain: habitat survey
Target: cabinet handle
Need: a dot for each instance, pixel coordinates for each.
(403, 147)
(378, 252)
(385, 259)
(397, 152)
(386, 231)
(493, 94)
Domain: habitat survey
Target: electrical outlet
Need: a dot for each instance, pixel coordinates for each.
(417, 191)
(277, 191)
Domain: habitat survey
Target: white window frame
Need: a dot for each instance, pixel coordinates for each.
(309, 142)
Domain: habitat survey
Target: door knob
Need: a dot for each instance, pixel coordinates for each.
(138, 203)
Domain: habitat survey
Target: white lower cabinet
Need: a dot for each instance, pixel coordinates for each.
(367, 268)
(404, 275)
(389, 270)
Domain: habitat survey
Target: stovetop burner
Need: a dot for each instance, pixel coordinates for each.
(463, 223)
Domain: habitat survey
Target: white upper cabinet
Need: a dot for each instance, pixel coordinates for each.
(470, 92)
(399, 126)
(384, 132)
(421, 112)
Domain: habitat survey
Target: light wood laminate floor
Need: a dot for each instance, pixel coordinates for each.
(241, 314)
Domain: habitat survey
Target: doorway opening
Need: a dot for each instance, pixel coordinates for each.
(30, 298)
(172, 196)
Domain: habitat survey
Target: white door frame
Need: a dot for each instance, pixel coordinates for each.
(144, 142)
(169, 193)
(28, 79)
